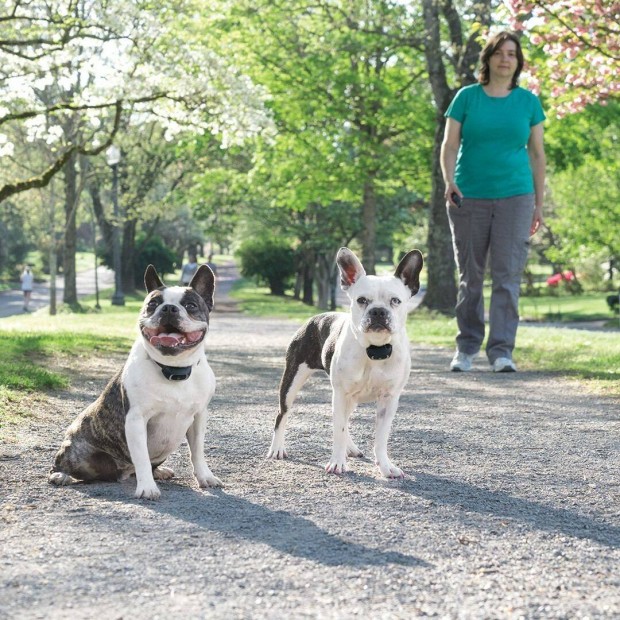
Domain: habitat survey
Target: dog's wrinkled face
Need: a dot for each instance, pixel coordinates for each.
(379, 304)
(176, 319)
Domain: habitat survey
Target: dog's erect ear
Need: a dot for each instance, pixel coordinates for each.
(409, 268)
(203, 283)
(151, 279)
(351, 269)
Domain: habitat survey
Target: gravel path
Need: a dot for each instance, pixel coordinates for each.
(510, 508)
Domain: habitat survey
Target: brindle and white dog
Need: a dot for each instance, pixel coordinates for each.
(365, 352)
(159, 397)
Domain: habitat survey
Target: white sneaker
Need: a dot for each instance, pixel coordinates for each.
(504, 364)
(461, 362)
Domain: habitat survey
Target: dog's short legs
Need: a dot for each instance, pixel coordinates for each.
(196, 440)
(135, 432)
(342, 408)
(385, 414)
(163, 473)
(292, 382)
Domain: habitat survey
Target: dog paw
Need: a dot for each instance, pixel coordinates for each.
(389, 470)
(60, 479)
(210, 480)
(336, 467)
(163, 473)
(277, 453)
(353, 450)
(147, 492)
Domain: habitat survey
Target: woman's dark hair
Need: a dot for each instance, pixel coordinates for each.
(493, 44)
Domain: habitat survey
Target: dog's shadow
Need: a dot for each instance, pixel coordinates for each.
(216, 510)
(501, 505)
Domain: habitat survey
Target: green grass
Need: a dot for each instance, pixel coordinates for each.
(567, 308)
(31, 345)
(590, 356)
(257, 301)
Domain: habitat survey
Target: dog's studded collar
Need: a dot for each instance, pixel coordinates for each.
(379, 353)
(175, 373)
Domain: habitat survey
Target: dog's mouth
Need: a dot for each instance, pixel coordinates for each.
(169, 337)
(378, 327)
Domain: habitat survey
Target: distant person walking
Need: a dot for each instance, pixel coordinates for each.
(27, 280)
(188, 271)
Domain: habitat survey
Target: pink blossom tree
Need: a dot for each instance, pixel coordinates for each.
(581, 43)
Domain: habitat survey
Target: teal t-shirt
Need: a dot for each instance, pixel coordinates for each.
(492, 161)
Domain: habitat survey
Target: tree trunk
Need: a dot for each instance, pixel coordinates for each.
(308, 285)
(441, 284)
(70, 240)
(53, 258)
(324, 273)
(369, 234)
(128, 253)
(104, 225)
(441, 289)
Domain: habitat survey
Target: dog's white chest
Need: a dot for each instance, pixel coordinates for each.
(168, 407)
(375, 381)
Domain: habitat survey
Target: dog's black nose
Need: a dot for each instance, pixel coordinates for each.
(378, 313)
(169, 309)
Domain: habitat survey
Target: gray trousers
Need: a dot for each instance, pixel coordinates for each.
(499, 229)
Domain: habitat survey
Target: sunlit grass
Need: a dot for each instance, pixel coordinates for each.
(591, 356)
(257, 301)
(584, 307)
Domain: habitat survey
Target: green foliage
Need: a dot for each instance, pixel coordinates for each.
(268, 260)
(587, 216)
(594, 132)
(352, 107)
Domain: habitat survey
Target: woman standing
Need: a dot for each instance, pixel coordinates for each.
(493, 164)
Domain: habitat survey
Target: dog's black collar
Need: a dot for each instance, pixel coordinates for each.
(379, 353)
(175, 373)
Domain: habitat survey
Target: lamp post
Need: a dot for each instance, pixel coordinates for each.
(113, 155)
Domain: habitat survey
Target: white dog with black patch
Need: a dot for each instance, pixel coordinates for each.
(158, 398)
(365, 352)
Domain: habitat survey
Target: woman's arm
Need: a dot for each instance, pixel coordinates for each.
(449, 151)
(536, 152)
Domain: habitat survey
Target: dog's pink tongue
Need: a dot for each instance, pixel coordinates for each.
(166, 340)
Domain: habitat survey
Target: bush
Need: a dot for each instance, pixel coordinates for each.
(268, 261)
(156, 253)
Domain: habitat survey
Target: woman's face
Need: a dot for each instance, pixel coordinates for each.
(503, 61)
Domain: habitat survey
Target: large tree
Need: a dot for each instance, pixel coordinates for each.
(349, 99)
(75, 73)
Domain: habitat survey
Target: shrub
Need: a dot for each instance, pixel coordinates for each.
(269, 261)
(153, 252)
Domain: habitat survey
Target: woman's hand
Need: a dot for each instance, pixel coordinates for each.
(537, 220)
(451, 188)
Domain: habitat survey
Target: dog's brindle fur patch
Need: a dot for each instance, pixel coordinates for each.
(93, 448)
(313, 344)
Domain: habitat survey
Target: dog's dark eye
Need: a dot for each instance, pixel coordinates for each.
(152, 305)
(362, 301)
(190, 306)
(395, 301)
